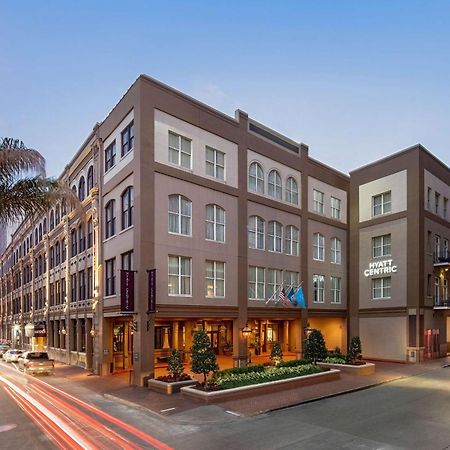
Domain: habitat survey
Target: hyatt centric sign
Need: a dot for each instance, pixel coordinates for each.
(380, 268)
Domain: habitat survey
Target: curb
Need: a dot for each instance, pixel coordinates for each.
(134, 405)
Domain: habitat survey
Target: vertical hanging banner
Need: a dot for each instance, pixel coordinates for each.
(151, 291)
(127, 291)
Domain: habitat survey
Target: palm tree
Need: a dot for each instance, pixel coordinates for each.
(24, 188)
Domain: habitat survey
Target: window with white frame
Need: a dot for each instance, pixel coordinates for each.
(437, 246)
(381, 246)
(215, 279)
(319, 247)
(437, 198)
(445, 208)
(256, 227)
(215, 223)
(215, 163)
(318, 201)
(180, 150)
(292, 191)
(335, 290)
(446, 250)
(335, 208)
(291, 240)
(180, 215)
(291, 279)
(274, 281)
(110, 156)
(336, 250)
(275, 186)
(110, 276)
(256, 287)
(437, 296)
(381, 203)
(275, 236)
(381, 288)
(110, 219)
(128, 139)
(180, 282)
(256, 178)
(127, 203)
(445, 290)
(319, 288)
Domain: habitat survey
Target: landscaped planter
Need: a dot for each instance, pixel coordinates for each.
(363, 369)
(261, 388)
(169, 388)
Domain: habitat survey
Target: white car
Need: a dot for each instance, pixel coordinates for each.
(12, 355)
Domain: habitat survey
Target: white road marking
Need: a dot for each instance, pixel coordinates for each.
(8, 427)
(168, 409)
(233, 413)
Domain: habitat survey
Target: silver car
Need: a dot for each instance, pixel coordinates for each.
(12, 355)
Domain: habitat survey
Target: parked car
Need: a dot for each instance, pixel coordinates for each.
(4, 348)
(36, 363)
(12, 355)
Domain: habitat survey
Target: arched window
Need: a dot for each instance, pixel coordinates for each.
(275, 187)
(44, 226)
(336, 250)
(318, 247)
(40, 232)
(52, 220)
(127, 207)
(90, 179)
(73, 242)
(291, 240)
(90, 233)
(256, 227)
(36, 236)
(180, 215)
(57, 215)
(81, 239)
(82, 189)
(63, 207)
(74, 189)
(57, 253)
(215, 223)
(256, 178)
(291, 191)
(110, 219)
(275, 236)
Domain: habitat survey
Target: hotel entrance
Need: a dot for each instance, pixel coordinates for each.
(122, 344)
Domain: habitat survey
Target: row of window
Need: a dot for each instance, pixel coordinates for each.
(319, 249)
(319, 204)
(126, 208)
(81, 285)
(126, 145)
(78, 241)
(84, 186)
(436, 207)
(256, 183)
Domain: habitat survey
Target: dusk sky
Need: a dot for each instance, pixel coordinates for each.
(355, 80)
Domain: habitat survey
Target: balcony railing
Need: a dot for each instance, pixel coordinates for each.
(442, 259)
(441, 302)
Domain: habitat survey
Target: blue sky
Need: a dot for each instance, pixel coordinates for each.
(355, 80)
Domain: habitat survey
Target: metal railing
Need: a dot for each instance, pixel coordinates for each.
(441, 301)
(441, 258)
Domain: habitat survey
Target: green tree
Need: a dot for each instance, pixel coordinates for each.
(354, 349)
(24, 188)
(175, 366)
(203, 357)
(315, 348)
(276, 355)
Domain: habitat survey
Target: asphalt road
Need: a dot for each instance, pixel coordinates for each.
(413, 413)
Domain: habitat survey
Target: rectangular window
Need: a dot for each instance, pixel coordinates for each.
(437, 198)
(437, 246)
(215, 163)
(445, 253)
(256, 288)
(381, 288)
(291, 279)
(381, 246)
(180, 275)
(127, 260)
(437, 296)
(110, 277)
(318, 247)
(381, 204)
(429, 198)
(73, 241)
(335, 208)
(73, 285)
(180, 151)
(336, 251)
(319, 288)
(215, 279)
(335, 290)
(274, 282)
(445, 208)
(52, 294)
(82, 285)
(128, 139)
(90, 283)
(318, 201)
(62, 298)
(110, 156)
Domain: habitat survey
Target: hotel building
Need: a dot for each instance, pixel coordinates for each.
(229, 213)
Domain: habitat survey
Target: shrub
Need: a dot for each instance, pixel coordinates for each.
(270, 374)
(276, 355)
(175, 367)
(334, 360)
(203, 357)
(315, 346)
(239, 370)
(354, 349)
(295, 363)
(171, 379)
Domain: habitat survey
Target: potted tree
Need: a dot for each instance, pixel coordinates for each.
(276, 355)
(203, 358)
(315, 348)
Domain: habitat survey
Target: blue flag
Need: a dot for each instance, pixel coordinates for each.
(300, 298)
(291, 294)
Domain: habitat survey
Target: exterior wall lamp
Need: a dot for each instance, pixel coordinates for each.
(92, 332)
(246, 331)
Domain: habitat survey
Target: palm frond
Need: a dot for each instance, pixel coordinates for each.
(14, 162)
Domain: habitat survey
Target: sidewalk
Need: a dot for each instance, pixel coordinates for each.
(182, 410)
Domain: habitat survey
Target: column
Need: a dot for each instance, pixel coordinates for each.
(240, 345)
(285, 345)
(297, 333)
(175, 337)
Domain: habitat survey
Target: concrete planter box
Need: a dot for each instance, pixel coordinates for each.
(169, 388)
(365, 369)
(261, 388)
